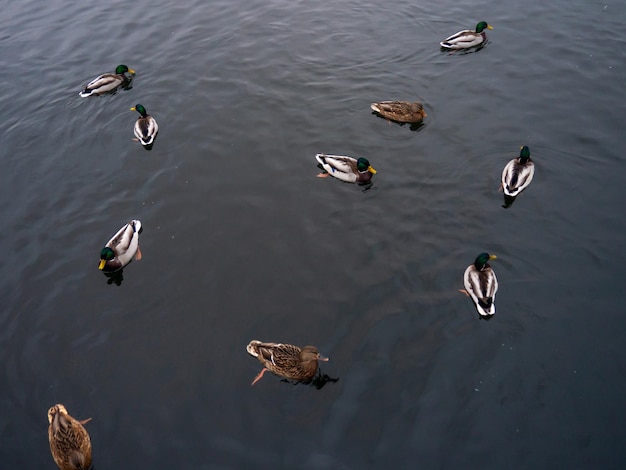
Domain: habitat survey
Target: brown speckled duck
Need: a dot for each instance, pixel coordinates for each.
(400, 111)
(286, 360)
(70, 444)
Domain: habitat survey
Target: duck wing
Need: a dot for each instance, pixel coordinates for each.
(482, 287)
(102, 84)
(463, 40)
(516, 177)
(341, 167)
(146, 129)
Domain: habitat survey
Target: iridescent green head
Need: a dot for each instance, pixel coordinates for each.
(140, 109)
(524, 154)
(121, 69)
(482, 259)
(363, 164)
(480, 27)
(106, 254)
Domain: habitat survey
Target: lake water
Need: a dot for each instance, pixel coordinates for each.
(241, 241)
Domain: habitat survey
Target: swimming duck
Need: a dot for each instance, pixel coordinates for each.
(286, 360)
(400, 111)
(146, 127)
(481, 284)
(348, 169)
(108, 82)
(70, 444)
(467, 38)
(518, 173)
(121, 248)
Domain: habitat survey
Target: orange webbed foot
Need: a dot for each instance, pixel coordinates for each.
(259, 376)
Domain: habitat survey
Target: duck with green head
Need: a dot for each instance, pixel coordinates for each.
(146, 127)
(467, 38)
(109, 82)
(286, 360)
(481, 284)
(518, 173)
(348, 169)
(121, 248)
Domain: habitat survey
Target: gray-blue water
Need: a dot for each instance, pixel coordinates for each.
(241, 241)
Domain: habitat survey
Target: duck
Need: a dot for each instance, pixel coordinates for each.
(518, 173)
(286, 360)
(400, 111)
(121, 248)
(146, 127)
(467, 38)
(108, 82)
(348, 169)
(481, 284)
(70, 444)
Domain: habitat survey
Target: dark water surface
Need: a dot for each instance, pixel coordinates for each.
(242, 242)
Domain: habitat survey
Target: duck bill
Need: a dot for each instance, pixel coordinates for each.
(133, 109)
(492, 257)
(131, 71)
(489, 26)
(371, 170)
(323, 358)
(102, 263)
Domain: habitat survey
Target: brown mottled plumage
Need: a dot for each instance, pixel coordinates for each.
(400, 111)
(70, 444)
(286, 360)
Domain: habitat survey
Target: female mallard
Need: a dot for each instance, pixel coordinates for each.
(146, 127)
(481, 284)
(467, 38)
(69, 441)
(518, 173)
(120, 249)
(108, 82)
(348, 169)
(285, 360)
(400, 111)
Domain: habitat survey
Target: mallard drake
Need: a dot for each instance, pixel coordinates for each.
(286, 360)
(467, 38)
(518, 173)
(146, 127)
(400, 111)
(481, 284)
(121, 248)
(108, 82)
(70, 444)
(348, 169)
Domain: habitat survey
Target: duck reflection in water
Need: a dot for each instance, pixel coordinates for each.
(508, 201)
(319, 381)
(116, 277)
(322, 379)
